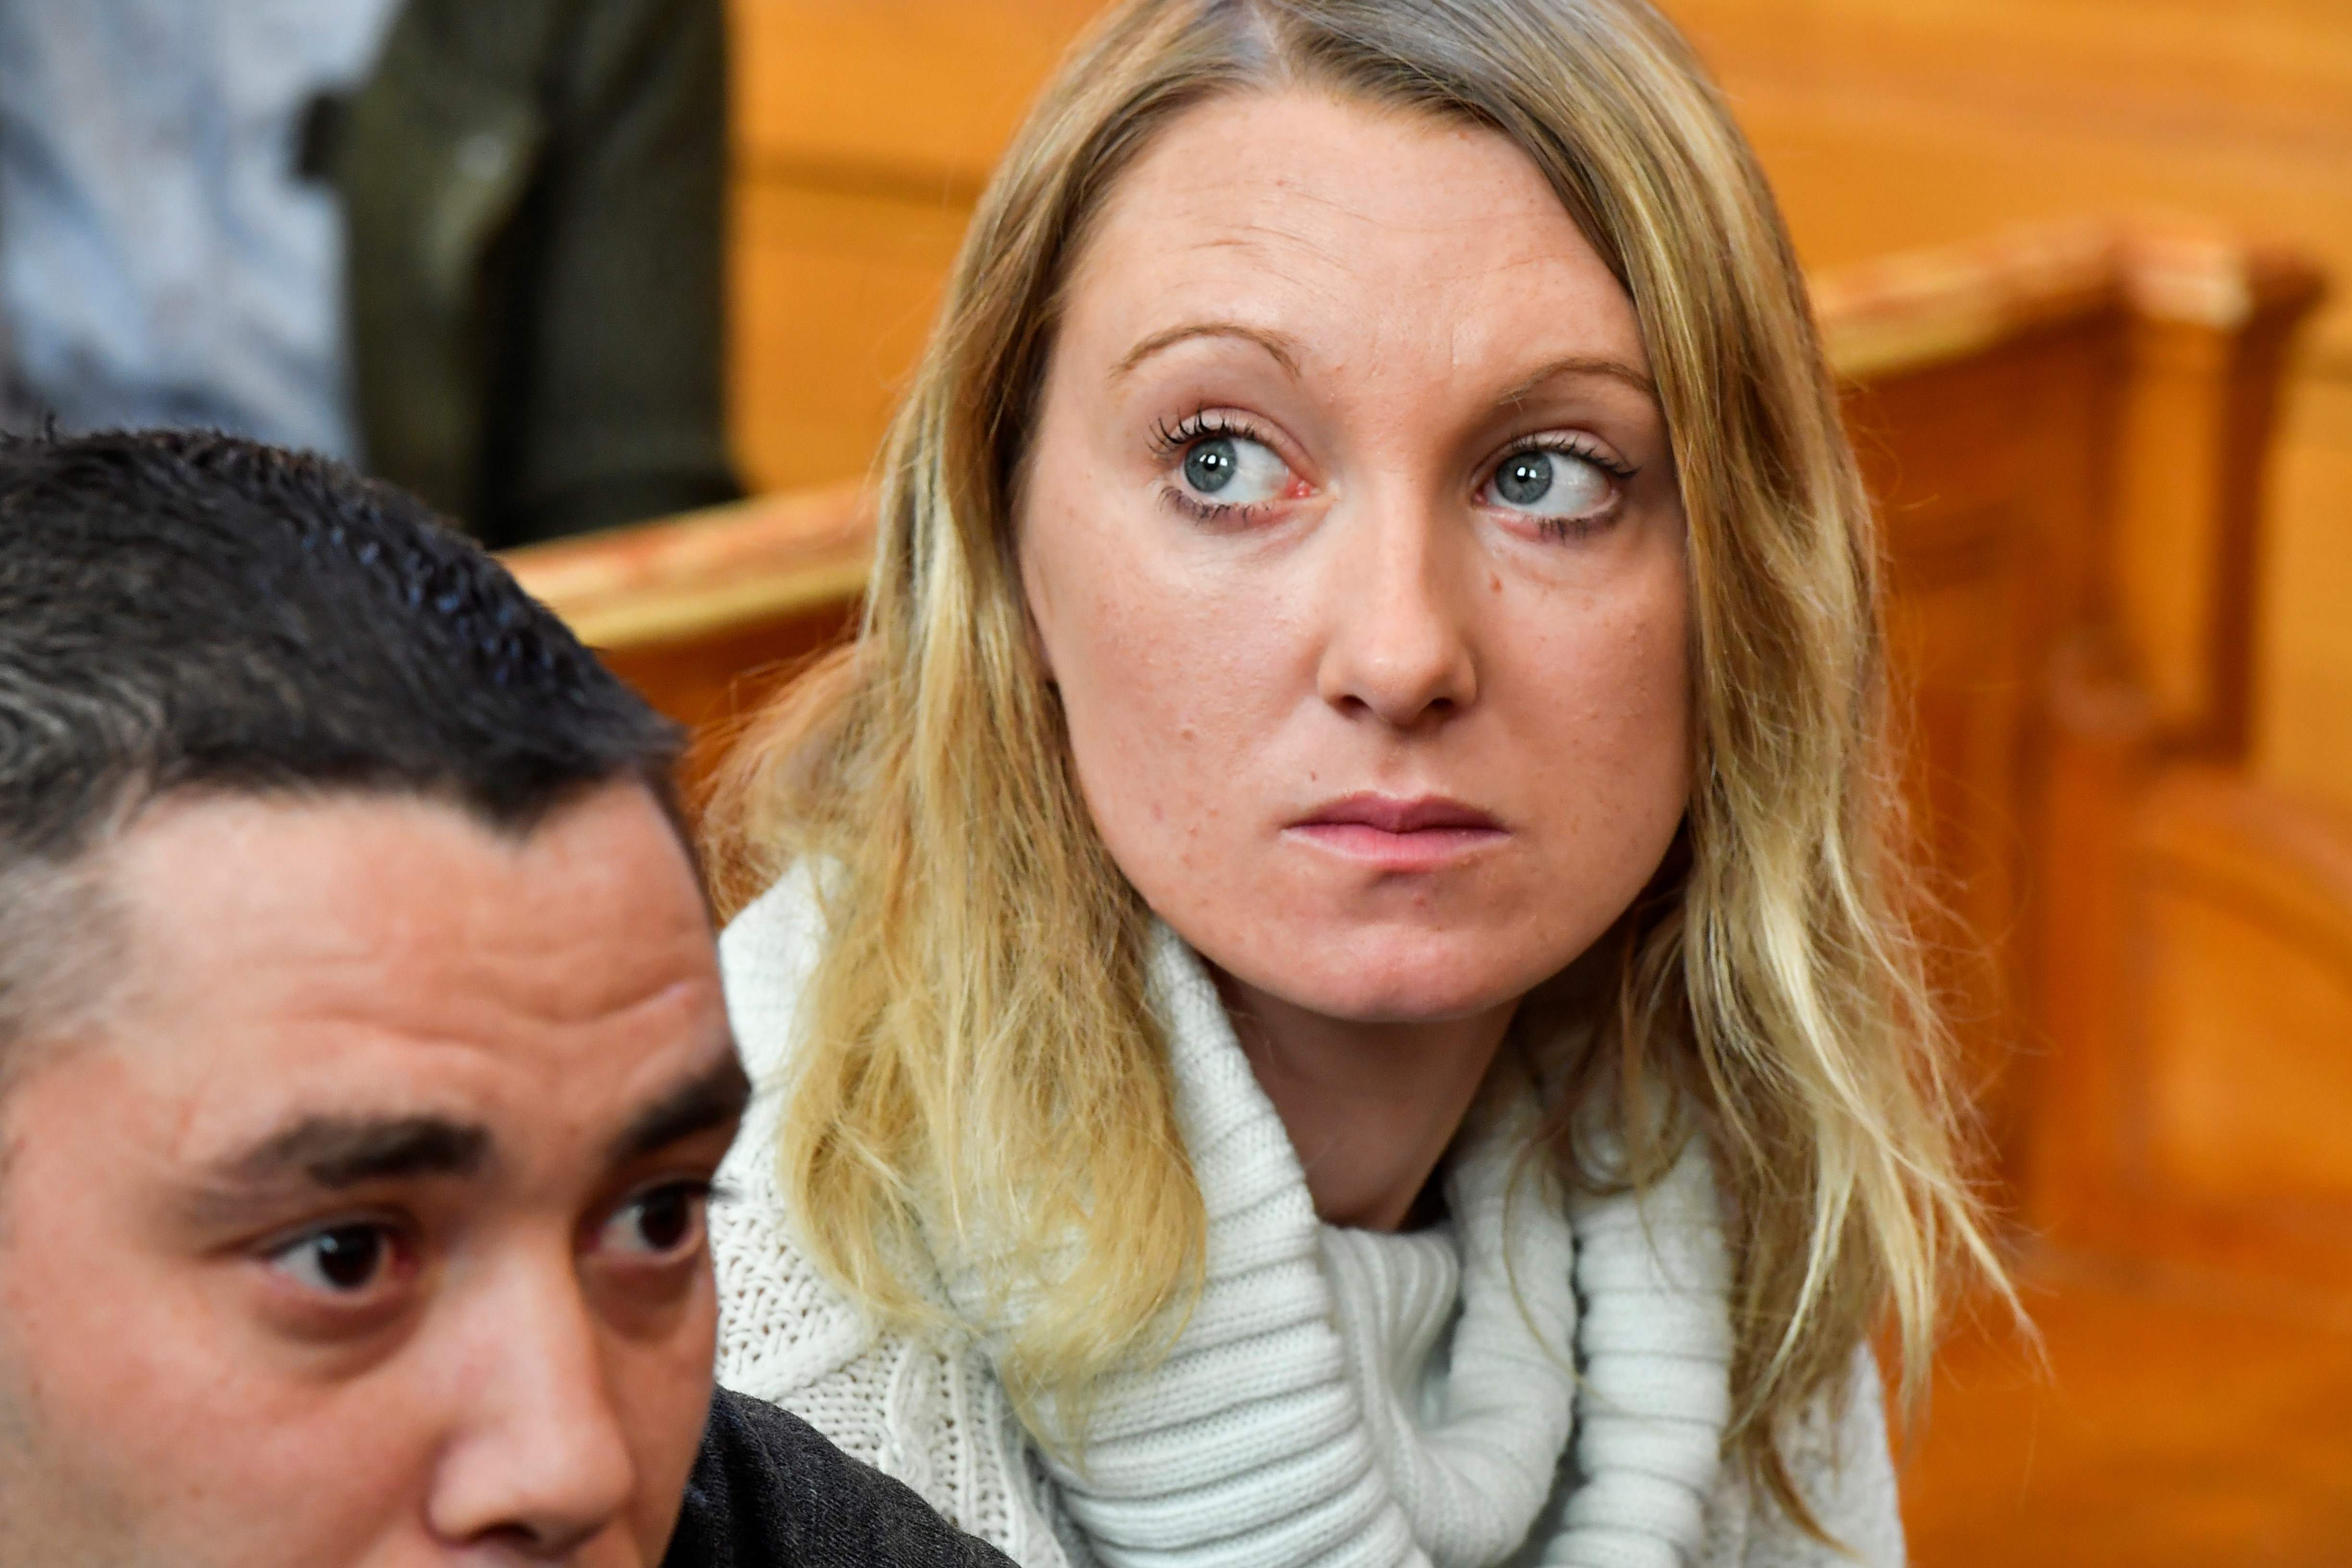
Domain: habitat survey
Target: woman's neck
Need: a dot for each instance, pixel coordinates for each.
(1370, 1108)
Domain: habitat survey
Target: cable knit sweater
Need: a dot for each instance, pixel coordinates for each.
(1533, 1381)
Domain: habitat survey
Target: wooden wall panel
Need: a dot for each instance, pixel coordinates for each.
(1988, 468)
(863, 134)
(2247, 1101)
(915, 95)
(2164, 1423)
(2304, 724)
(1960, 624)
(1892, 123)
(814, 388)
(2205, 1121)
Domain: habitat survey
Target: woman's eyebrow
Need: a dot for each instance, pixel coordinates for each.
(1281, 345)
(1582, 364)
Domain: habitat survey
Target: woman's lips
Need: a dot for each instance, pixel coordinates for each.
(1397, 835)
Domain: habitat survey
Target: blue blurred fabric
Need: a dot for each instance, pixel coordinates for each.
(162, 261)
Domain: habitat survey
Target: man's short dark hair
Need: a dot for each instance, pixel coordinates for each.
(192, 612)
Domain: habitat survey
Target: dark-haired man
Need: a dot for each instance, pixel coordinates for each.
(362, 1060)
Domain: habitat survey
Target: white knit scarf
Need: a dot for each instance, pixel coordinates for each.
(1293, 1423)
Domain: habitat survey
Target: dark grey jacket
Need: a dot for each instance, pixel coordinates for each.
(534, 191)
(769, 1492)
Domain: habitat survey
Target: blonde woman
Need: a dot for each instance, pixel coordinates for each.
(1329, 975)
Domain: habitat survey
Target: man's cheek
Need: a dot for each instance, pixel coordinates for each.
(665, 1407)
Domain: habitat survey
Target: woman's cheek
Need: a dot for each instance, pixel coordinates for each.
(1168, 727)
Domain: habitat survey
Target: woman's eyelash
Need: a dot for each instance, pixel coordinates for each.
(1200, 511)
(1168, 440)
(1579, 447)
(1560, 529)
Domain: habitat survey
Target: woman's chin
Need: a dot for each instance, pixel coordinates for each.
(1391, 977)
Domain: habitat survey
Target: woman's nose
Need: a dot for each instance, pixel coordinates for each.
(1399, 647)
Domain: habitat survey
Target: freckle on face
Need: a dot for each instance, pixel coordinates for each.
(1221, 683)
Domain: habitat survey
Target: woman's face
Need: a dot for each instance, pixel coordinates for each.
(1353, 543)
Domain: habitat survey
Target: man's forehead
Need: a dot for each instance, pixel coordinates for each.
(362, 961)
(406, 902)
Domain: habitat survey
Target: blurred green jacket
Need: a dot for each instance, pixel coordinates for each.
(534, 193)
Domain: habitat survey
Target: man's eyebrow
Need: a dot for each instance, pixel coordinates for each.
(337, 1151)
(1582, 364)
(713, 1098)
(1281, 345)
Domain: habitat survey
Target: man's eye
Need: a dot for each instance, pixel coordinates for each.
(1545, 483)
(665, 1222)
(340, 1260)
(1233, 470)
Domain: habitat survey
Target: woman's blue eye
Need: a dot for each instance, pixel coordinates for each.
(1545, 483)
(1233, 470)
(1209, 466)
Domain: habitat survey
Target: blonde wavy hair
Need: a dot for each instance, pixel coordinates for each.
(979, 1080)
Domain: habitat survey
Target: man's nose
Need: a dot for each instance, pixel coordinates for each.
(1398, 645)
(540, 1462)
